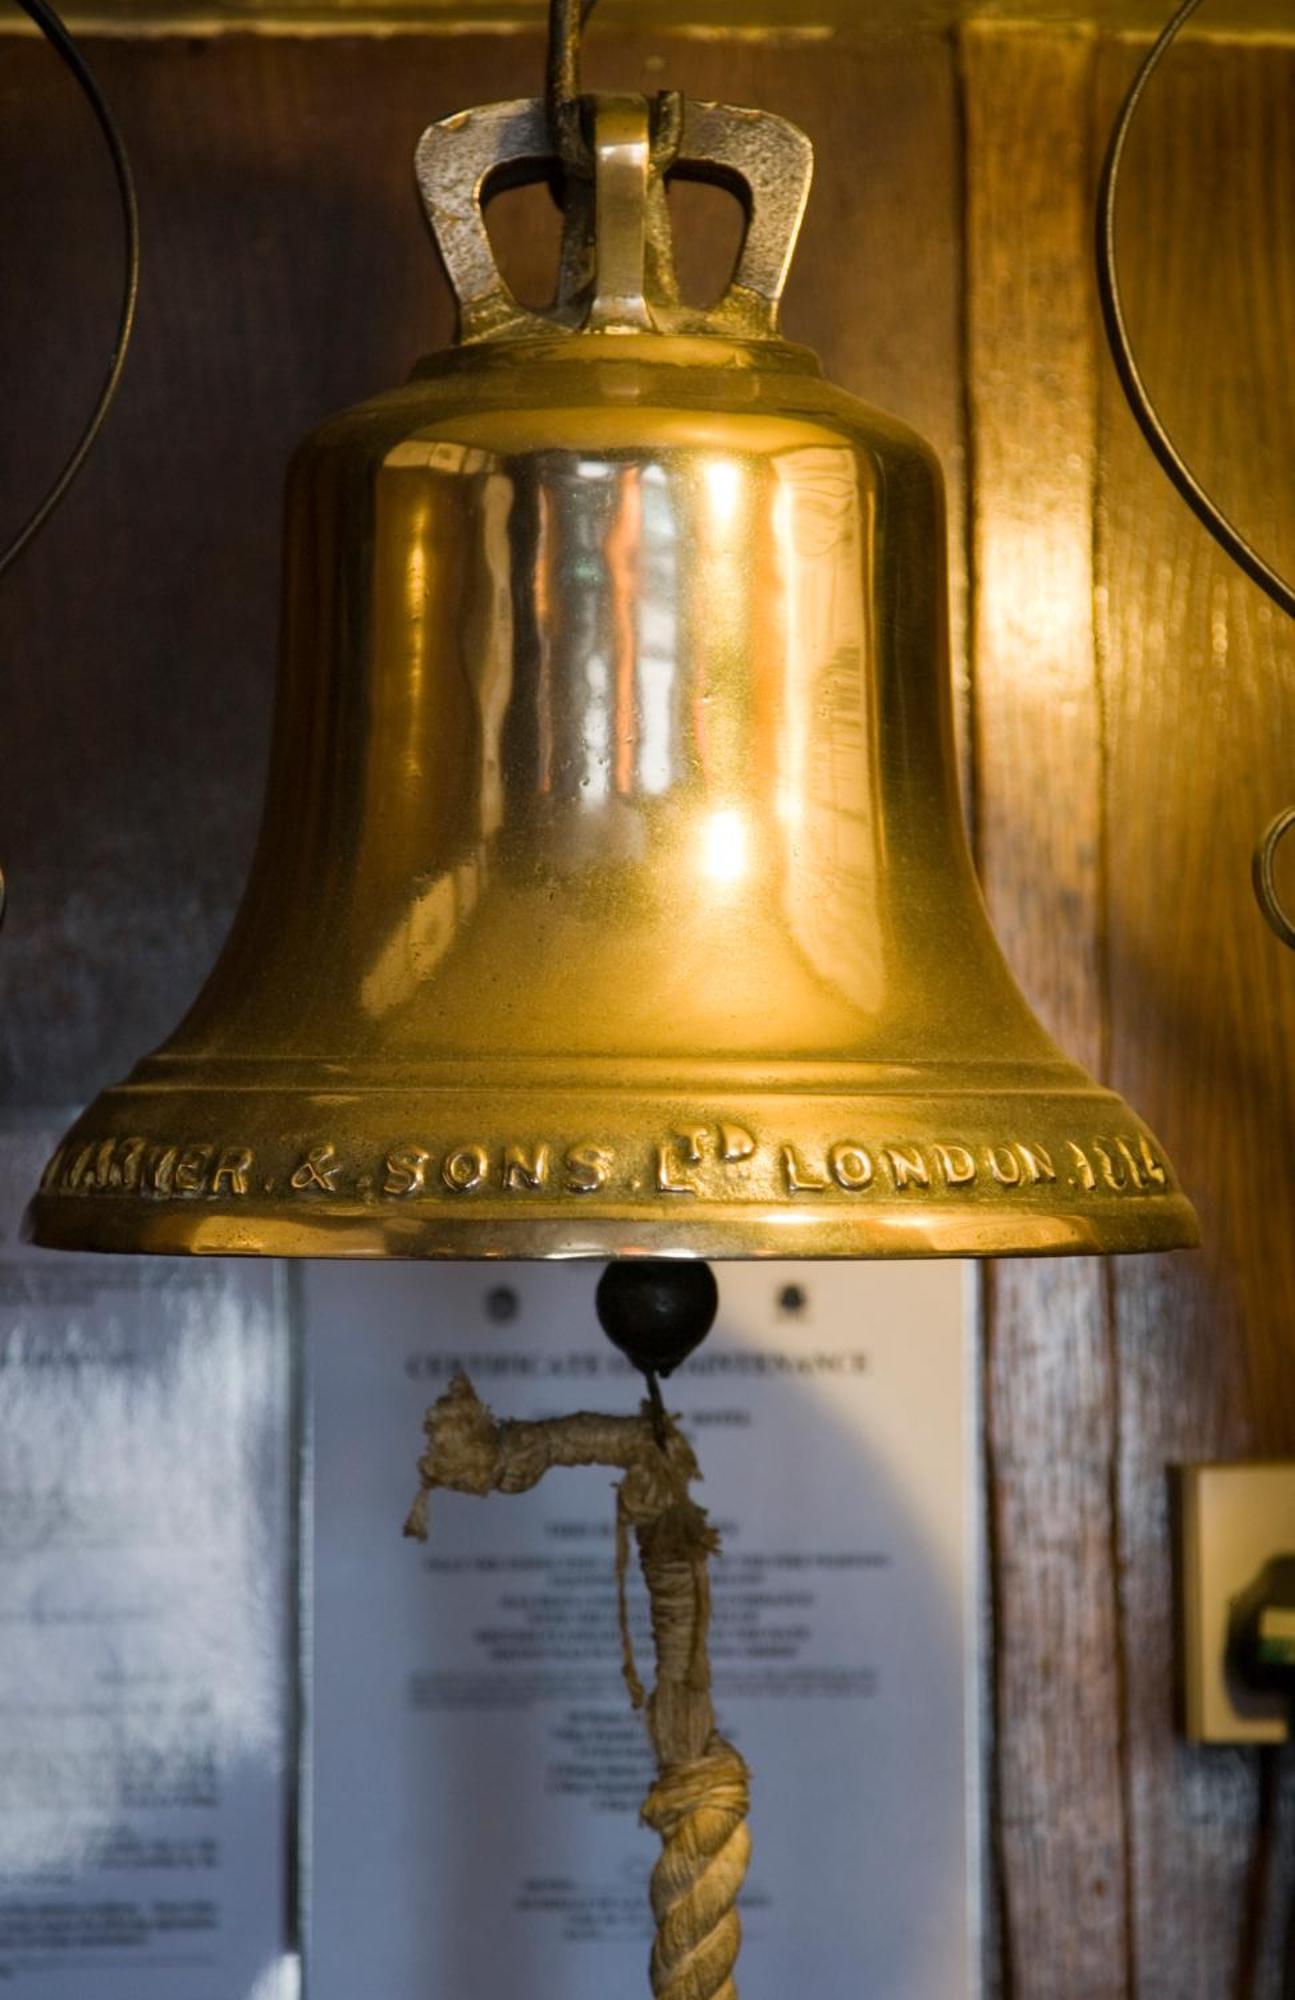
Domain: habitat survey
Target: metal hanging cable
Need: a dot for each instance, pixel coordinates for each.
(57, 35)
(565, 99)
(567, 21)
(1227, 535)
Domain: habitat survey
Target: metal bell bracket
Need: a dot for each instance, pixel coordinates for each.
(617, 267)
(1279, 919)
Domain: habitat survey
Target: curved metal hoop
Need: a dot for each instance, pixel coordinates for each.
(1208, 513)
(1265, 878)
(56, 34)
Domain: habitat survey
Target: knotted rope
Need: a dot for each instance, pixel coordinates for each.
(699, 1803)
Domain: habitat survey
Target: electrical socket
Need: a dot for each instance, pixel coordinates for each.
(1230, 1520)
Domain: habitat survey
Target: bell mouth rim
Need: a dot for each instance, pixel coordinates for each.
(731, 1233)
(601, 1171)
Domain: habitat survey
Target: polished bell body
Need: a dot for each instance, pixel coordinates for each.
(612, 895)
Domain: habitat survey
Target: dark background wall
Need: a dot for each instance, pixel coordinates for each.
(1128, 711)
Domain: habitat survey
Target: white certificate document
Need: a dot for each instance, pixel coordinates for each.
(475, 1767)
(146, 1622)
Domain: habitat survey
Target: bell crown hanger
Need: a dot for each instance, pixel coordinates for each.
(616, 271)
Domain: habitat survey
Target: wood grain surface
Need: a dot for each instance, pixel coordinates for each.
(758, 17)
(1134, 714)
(1058, 1824)
(1133, 727)
(1199, 684)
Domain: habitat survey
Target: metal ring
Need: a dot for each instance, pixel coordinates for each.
(1228, 537)
(70, 54)
(1172, 463)
(1265, 878)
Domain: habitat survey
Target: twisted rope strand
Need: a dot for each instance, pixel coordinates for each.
(699, 1810)
(699, 1803)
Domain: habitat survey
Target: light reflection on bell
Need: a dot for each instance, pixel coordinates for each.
(612, 895)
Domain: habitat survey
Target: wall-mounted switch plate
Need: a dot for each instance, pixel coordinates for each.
(1231, 1520)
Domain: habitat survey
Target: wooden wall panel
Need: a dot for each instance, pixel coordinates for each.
(1135, 715)
(1134, 727)
(287, 273)
(1057, 1799)
(1199, 679)
(712, 17)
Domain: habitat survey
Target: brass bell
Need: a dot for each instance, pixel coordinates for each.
(612, 896)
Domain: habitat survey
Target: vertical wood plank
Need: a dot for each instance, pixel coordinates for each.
(1058, 1803)
(1200, 691)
